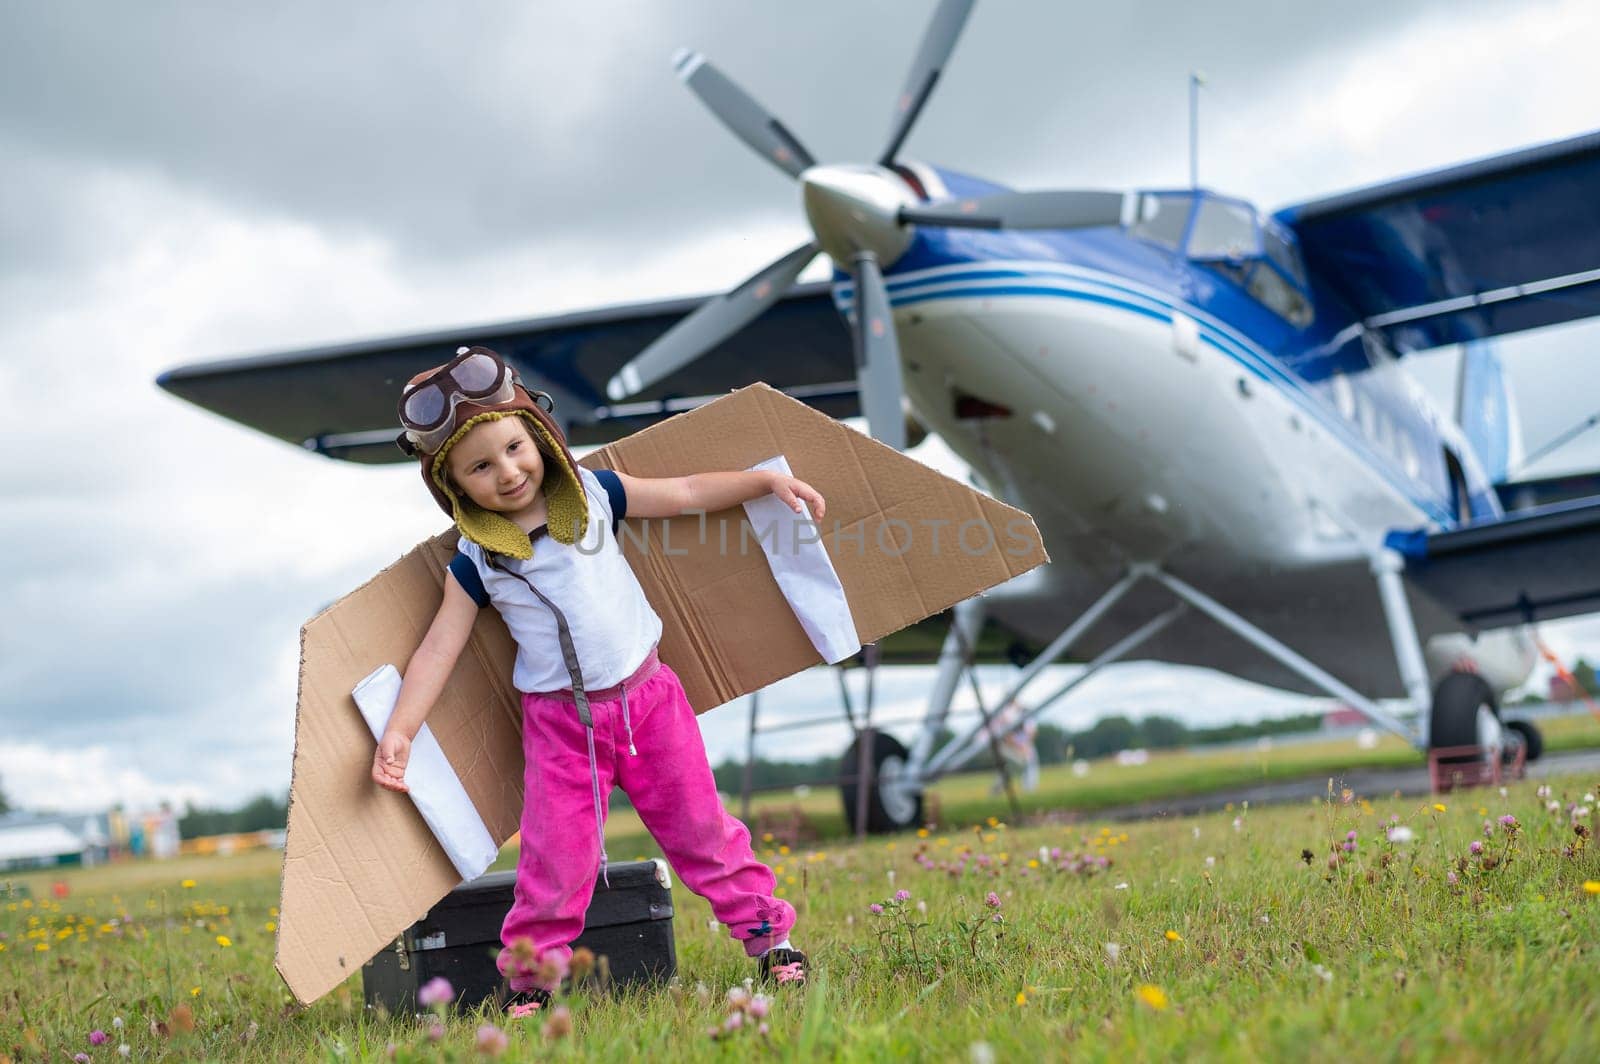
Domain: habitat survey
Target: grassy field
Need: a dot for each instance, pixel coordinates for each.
(1169, 774)
(1339, 927)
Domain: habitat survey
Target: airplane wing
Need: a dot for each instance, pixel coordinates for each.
(1537, 565)
(340, 400)
(1489, 247)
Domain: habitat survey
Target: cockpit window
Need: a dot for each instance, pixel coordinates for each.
(1229, 237)
(1163, 217)
(1224, 230)
(1283, 254)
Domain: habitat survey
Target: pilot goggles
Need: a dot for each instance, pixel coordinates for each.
(427, 409)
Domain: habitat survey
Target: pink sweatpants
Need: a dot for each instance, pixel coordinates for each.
(670, 784)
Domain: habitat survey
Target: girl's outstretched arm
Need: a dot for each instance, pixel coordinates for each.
(425, 677)
(710, 492)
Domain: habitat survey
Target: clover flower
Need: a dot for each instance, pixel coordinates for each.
(491, 1040)
(902, 895)
(992, 900)
(1475, 848)
(98, 1038)
(436, 991)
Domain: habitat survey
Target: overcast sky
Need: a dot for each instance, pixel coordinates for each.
(186, 181)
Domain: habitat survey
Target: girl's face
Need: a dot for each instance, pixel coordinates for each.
(497, 466)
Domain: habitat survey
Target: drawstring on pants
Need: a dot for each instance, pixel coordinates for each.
(628, 724)
(599, 823)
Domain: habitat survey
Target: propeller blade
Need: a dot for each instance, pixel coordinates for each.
(739, 111)
(937, 44)
(1060, 209)
(878, 355)
(711, 323)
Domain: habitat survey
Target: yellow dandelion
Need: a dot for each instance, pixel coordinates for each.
(993, 822)
(1438, 807)
(2, 947)
(1022, 999)
(1173, 936)
(922, 833)
(194, 991)
(1033, 862)
(1153, 995)
(272, 911)
(766, 836)
(187, 884)
(783, 850)
(270, 926)
(41, 947)
(1591, 887)
(224, 941)
(1482, 811)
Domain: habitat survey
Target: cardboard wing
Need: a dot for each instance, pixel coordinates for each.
(360, 864)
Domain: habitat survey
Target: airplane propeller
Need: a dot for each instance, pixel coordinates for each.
(860, 215)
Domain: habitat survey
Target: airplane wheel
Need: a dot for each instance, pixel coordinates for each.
(1464, 714)
(891, 804)
(1532, 738)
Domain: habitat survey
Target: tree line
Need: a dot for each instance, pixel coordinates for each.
(1055, 745)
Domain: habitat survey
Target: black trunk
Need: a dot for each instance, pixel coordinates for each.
(630, 924)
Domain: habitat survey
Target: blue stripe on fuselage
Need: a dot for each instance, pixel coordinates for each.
(1054, 281)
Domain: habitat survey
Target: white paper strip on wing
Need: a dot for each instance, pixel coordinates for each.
(803, 570)
(435, 787)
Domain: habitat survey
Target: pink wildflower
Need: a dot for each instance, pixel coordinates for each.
(436, 991)
(992, 900)
(492, 1040)
(875, 909)
(1509, 823)
(1452, 878)
(1476, 847)
(902, 895)
(80, 1058)
(98, 1038)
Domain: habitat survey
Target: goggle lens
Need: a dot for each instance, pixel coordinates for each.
(425, 406)
(477, 374)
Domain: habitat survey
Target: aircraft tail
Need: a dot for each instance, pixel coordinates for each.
(1486, 412)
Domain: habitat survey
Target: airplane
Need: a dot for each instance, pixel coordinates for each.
(1204, 406)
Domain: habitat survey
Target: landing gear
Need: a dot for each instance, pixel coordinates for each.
(1532, 738)
(894, 798)
(1465, 713)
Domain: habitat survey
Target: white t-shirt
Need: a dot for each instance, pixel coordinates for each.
(612, 624)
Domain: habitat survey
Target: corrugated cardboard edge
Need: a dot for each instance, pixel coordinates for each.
(700, 623)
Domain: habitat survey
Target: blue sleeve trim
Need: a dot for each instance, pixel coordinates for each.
(466, 575)
(615, 494)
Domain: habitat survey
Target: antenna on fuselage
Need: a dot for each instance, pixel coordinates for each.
(1196, 79)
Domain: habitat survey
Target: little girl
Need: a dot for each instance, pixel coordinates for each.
(598, 707)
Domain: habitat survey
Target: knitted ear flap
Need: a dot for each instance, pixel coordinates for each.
(566, 503)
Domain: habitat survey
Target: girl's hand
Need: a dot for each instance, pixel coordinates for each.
(793, 491)
(389, 762)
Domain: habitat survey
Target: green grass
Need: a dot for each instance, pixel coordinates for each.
(967, 798)
(1273, 956)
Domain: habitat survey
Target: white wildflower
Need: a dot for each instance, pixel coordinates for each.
(1399, 834)
(1113, 952)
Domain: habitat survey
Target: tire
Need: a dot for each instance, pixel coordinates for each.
(890, 807)
(1532, 738)
(1460, 704)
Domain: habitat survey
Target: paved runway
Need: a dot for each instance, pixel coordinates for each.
(1365, 783)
